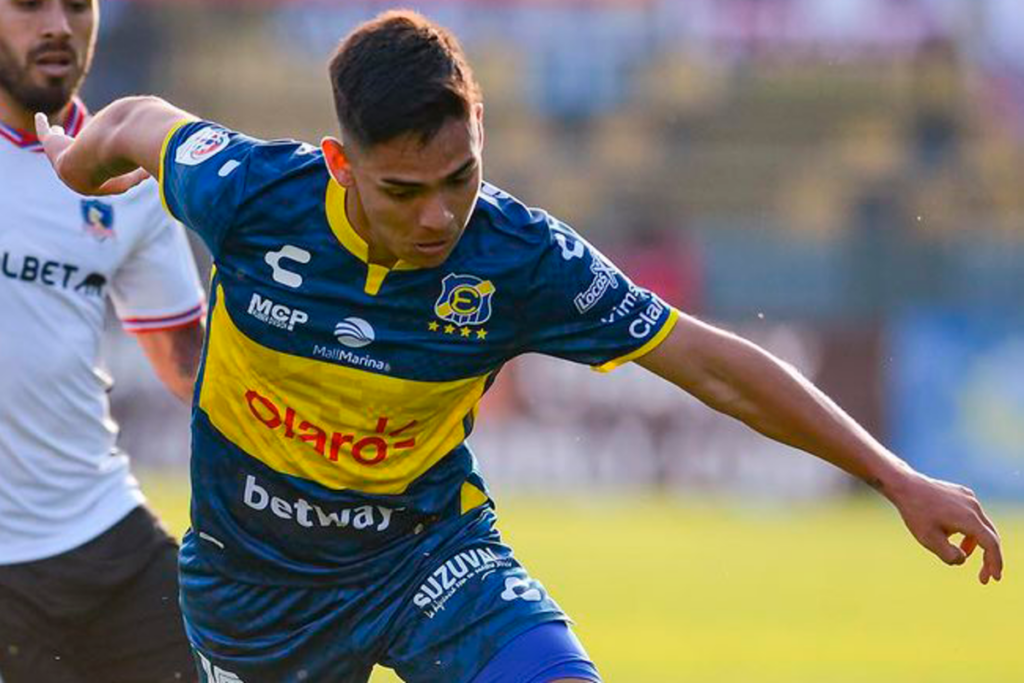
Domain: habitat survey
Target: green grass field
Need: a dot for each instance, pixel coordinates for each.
(665, 591)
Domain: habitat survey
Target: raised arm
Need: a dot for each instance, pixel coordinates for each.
(740, 379)
(116, 150)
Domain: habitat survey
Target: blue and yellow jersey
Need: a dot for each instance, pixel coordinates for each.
(336, 395)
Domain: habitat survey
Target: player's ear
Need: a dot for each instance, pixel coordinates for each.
(337, 161)
(478, 117)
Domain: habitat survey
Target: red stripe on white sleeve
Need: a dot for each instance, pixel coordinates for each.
(166, 322)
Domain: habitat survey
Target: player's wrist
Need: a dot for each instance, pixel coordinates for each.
(894, 479)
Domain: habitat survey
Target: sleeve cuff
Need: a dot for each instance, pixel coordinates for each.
(143, 324)
(163, 160)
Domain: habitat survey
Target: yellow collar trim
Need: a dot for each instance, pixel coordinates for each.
(340, 226)
(353, 242)
(346, 234)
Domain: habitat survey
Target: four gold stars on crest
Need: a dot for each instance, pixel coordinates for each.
(463, 332)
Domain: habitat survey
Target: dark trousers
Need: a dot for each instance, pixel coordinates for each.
(105, 612)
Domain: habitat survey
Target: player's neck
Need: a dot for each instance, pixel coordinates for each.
(359, 222)
(13, 114)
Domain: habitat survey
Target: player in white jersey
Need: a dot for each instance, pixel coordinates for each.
(88, 585)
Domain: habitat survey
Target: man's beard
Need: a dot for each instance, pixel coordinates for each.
(48, 99)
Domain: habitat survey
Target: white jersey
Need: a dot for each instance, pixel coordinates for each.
(62, 480)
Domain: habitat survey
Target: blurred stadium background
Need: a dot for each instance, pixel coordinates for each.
(840, 180)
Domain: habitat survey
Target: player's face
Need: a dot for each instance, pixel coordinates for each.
(45, 50)
(412, 201)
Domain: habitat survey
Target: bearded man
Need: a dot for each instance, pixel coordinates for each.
(88, 576)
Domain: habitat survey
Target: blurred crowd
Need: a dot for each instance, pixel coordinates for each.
(805, 171)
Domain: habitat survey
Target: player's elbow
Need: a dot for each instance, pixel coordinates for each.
(123, 113)
(182, 388)
(174, 355)
(179, 378)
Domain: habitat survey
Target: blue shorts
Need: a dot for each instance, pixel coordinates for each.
(543, 654)
(442, 615)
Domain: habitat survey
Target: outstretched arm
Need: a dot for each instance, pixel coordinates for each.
(116, 150)
(738, 378)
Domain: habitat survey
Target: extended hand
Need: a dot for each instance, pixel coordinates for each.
(934, 510)
(75, 167)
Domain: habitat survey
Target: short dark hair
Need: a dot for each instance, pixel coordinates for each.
(400, 73)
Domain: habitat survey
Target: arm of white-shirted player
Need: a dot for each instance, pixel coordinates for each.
(117, 149)
(740, 379)
(174, 354)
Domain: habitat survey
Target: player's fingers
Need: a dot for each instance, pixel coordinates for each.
(992, 557)
(986, 521)
(53, 138)
(939, 544)
(123, 183)
(42, 126)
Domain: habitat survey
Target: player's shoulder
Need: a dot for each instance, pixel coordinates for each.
(286, 183)
(527, 229)
(285, 160)
(265, 177)
(225, 151)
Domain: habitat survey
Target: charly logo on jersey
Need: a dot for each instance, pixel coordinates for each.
(570, 249)
(98, 219)
(354, 333)
(266, 310)
(288, 252)
(465, 300)
(528, 590)
(202, 145)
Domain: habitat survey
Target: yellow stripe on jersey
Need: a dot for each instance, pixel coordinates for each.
(375, 278)
(163, 156)
(653, 343)
(471, 497)
(342, 229)
(353, 242)
(339, 426)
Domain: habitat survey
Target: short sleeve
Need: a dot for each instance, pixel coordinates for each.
(203, 170)
(581, 307)
(157, 286)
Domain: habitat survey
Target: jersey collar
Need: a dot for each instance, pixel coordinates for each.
(352, 242)
(30, 143)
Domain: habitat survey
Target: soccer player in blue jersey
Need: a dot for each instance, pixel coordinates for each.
(366, 295)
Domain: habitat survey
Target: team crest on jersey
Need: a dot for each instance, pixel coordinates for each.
(464, 300)
(98, 218)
